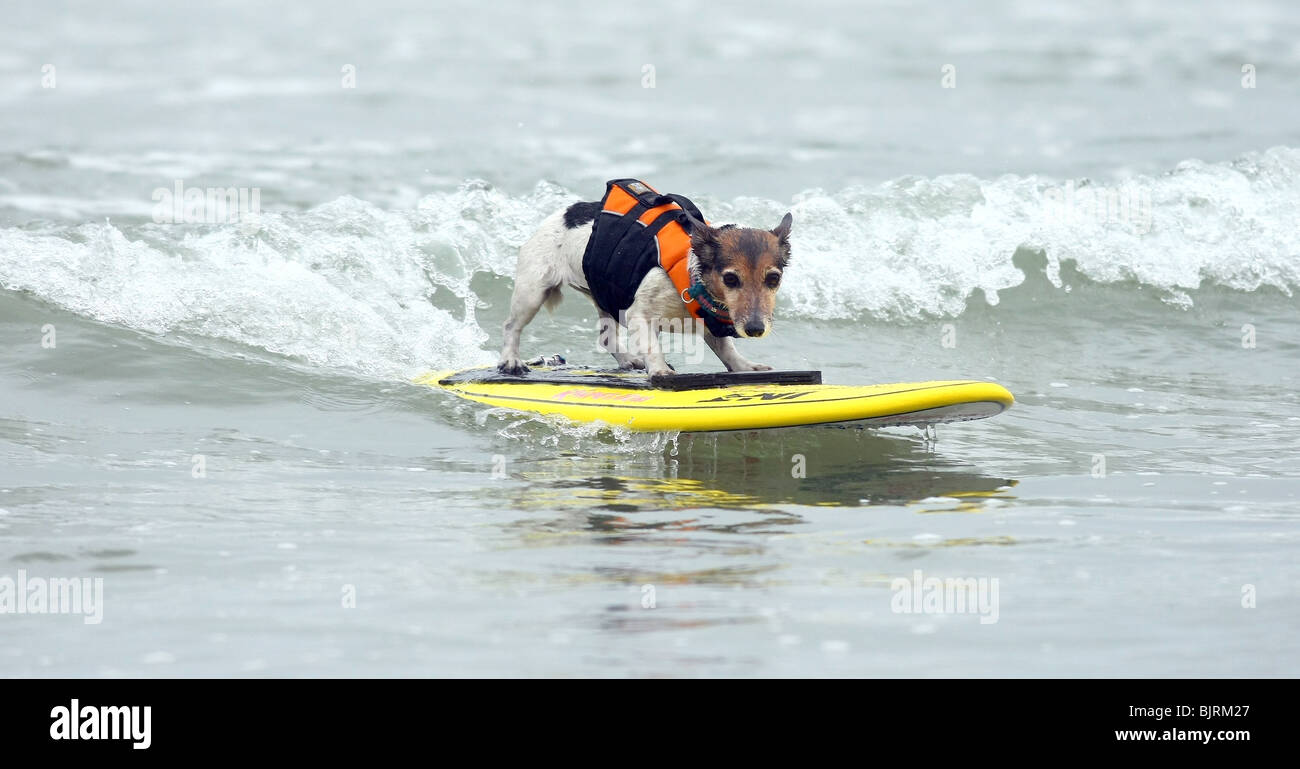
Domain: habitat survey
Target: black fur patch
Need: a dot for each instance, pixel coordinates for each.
(579, 214)
(706, 254)
(704, 244)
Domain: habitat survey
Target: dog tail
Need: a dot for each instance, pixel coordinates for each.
(552, 298)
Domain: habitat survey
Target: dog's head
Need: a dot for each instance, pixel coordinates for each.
(743, 267)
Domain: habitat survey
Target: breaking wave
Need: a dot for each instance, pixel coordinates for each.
(388, 293)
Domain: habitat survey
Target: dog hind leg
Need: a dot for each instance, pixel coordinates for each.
(524, 304)
(644, 335)
(609, 338)
(551, 258)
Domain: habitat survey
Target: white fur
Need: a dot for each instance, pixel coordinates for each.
(552, 258)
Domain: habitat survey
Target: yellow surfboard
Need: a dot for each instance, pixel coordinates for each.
(724, 401)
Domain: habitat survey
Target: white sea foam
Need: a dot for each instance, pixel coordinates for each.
(343, 285)
(916, 247)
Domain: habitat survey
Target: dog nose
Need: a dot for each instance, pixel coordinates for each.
(755, 328)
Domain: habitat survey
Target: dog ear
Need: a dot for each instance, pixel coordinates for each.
(782, 233)
(704, 243)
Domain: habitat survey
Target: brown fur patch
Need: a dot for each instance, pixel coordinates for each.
(752, 245)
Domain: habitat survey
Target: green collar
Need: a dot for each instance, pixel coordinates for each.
(712, 307)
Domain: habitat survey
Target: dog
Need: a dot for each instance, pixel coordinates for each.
(651, 263)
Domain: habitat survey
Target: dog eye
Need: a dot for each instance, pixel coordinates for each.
(730, 280)
(774, 280)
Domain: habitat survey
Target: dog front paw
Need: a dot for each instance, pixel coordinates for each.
(745, 365)
(666, 371)
(512, 367)
(633, 364)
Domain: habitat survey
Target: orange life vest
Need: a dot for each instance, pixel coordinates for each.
(637, 230)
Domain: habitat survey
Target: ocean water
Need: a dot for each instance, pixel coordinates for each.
(217, 420)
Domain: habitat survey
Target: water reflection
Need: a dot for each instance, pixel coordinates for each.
(709, 528)
(755, 472)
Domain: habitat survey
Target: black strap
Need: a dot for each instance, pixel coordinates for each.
(690, 209)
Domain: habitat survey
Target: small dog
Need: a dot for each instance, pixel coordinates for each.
(651, 263)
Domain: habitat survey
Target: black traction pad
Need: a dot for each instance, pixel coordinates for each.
(633, 380)
(733, 378)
